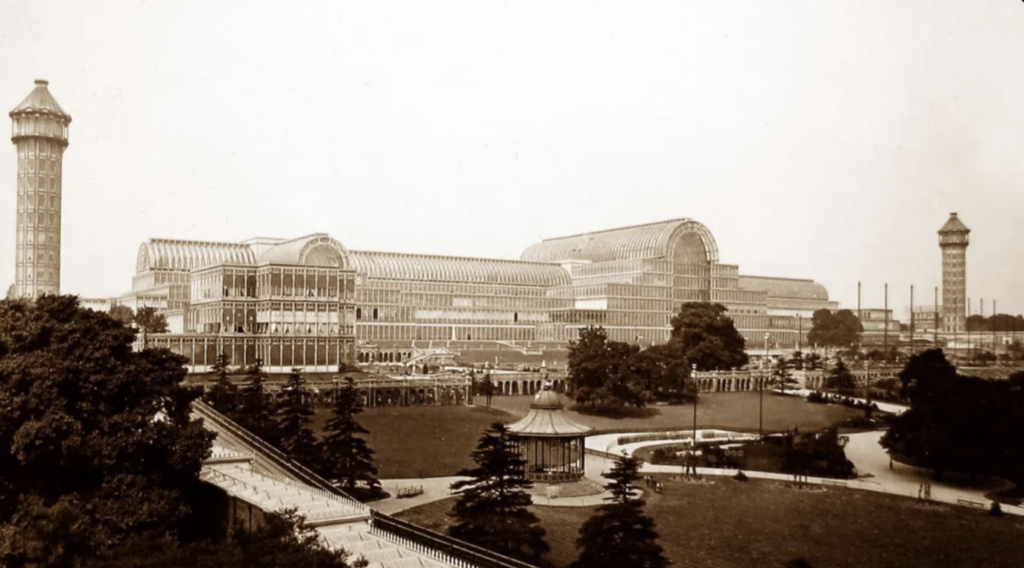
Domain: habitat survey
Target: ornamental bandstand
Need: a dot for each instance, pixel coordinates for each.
(549, 441)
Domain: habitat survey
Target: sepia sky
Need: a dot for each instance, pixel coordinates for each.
(824, 139)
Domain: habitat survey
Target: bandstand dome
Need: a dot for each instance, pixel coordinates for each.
(547, 418)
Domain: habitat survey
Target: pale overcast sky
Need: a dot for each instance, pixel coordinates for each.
(824, 139)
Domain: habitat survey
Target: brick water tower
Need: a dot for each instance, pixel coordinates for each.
(953, 240)
(40, 132)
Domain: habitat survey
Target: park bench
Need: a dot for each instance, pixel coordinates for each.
(970, 503)
(407, 492)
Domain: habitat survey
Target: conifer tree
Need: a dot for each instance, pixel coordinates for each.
(223, 396)
(345, 455)
(492, 512)
(841, 380)
(255, 412)
(620, 534)
(294, 415)
(782, 376)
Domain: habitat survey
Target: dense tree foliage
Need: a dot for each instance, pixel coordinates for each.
(706, 337)
(613, 373)
(959, 423)
(254, 411)
(149, 321)
(123, 314)
(282, 540)
(600, 370)
(345, 455)
(96, 442)
(841, 380)
(998, 322)
(620, 534)
(493, 509)
(839, 329)
(223, 395)
(294, 414)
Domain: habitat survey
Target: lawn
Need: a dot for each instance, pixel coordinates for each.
(435, 441)
(422, 441)
(763, 523)
(737, 410)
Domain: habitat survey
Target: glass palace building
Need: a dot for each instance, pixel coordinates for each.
(313, 304)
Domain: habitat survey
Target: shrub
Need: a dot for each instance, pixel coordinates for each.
(996, 510)
(740, 476)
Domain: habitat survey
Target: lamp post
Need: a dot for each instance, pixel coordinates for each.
(760, 389)
(693, 445)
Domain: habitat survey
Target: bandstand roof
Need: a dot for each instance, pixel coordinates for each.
(794, 288)
(652, 240)
(547, 418)
(41, 101)
(402, 266)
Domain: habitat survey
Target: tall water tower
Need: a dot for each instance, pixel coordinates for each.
(953, 240)
(40, 132)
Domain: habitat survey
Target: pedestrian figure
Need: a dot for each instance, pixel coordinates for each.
(890, 462)
(928, 490)
(920, 490)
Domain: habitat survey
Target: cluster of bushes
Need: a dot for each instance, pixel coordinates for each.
(821, 397)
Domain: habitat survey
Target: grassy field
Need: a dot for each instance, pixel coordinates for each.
(422, 441)
(766, 524)
(435, 441)
(737, 410)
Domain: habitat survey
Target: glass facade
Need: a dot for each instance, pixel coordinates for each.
(311, 303)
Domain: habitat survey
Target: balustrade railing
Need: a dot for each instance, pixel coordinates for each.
(437, 546)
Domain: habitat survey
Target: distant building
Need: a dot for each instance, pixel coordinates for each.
(311, 303)
(925, 318)
(876, 322)
(95, 304)
(954, 238)
(40, 132)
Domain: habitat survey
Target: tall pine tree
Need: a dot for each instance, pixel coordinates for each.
(493, 512)
(782, 376)
(294, 415)
(345, 455)
(620, 534)
(223, 395)
(255, 412)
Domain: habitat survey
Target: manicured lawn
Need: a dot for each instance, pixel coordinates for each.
(737, 410)
(762, 523)
(435, 441)
(422, 441)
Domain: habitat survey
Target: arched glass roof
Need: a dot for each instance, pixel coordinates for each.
(190, 255)
(792, 288)
(312, 250)
(653, 240)
(400, 266)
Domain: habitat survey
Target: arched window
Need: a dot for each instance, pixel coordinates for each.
(359, 313)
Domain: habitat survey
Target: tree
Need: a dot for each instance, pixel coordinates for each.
(96, 440)
(149, 321)
(255, 413)
(958, 423)
(662, 373)
(707, 337)
(283, 539)
(345, 455)
(602, 371)
(782, 376)
(294, 414)
(620, 534)
(798, 360)
(223, 395)
(493, 510)
(123, 314)
(839, 329)
(841, 380)
(487, 388)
